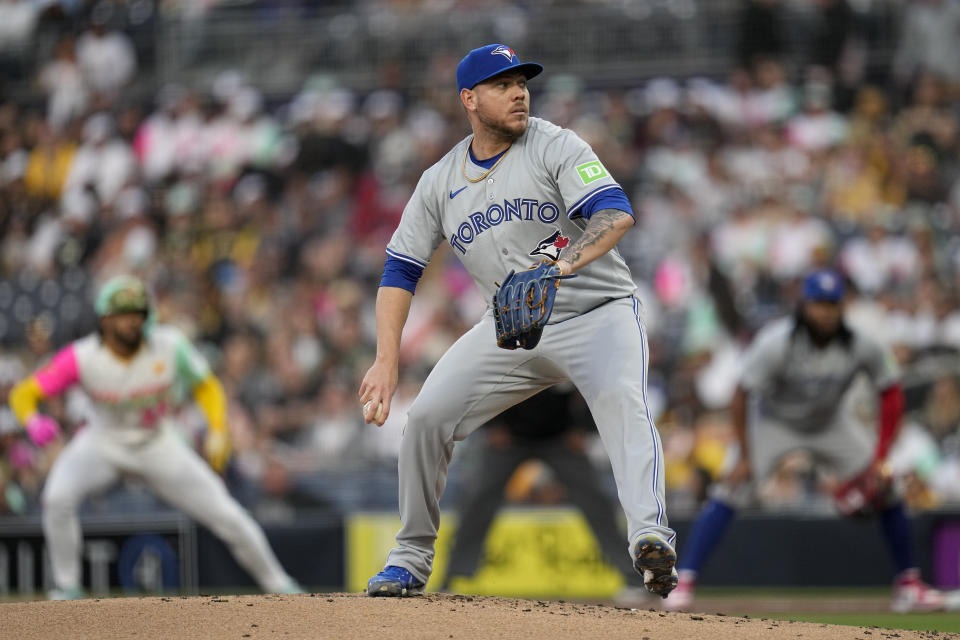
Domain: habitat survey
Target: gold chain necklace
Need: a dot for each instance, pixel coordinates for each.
(488, 171)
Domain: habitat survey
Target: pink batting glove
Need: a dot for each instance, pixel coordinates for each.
(42, 429)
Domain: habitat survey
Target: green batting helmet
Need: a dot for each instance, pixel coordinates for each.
(122, 294)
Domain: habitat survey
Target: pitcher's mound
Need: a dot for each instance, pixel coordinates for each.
(346, 616)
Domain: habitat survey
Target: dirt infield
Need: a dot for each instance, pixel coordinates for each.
(350, 616)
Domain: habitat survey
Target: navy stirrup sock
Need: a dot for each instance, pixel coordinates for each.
(708, 530)
(896, 531)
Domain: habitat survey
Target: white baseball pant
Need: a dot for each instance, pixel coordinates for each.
(92, 462)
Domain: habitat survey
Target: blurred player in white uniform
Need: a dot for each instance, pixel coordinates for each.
(790, 397)
(135, 373)
(520, 189)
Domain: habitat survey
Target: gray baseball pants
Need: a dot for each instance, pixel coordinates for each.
(843, 447)
(603, 352)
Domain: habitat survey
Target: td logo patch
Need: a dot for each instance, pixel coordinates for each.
(591, 171)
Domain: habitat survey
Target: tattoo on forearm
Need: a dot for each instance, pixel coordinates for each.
(601, 224)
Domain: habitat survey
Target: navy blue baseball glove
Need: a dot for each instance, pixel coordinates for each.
(523, 303)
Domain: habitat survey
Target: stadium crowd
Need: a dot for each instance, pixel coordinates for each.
(260, 223)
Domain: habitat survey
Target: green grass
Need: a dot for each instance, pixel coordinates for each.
(804, 593)
(915, 621)
(808, 599)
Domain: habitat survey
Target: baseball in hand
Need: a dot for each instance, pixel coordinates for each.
(366, 409)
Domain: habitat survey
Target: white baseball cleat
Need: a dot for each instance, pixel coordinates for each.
(681, 598)
(911, 594)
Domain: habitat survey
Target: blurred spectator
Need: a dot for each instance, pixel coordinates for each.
(817, 127)
(48, 165)
(104, 162)
(64, 84)
(798, 243)
(772, 99)
(928, 453)
(879, 260)
(106, 59)
(928, 40)
(18, 18)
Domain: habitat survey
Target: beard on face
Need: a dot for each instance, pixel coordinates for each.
(819, 334)
(500, 129)
(128, 337)
(129, 340)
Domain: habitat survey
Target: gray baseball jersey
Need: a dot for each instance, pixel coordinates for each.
(526, 210)
(797, 402)
(802, 385)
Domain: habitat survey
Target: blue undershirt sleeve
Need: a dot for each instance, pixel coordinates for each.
(608, 199)
(400, 273)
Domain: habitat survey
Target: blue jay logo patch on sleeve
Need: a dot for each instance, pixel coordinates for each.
(551, 245)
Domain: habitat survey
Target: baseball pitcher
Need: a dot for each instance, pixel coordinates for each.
(132, 372)
(518, 191)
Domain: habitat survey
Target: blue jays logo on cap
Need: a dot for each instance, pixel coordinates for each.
(825, 285)
(490, 60)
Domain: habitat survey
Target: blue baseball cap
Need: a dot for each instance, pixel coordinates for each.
(488, 61)
(823, 285)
